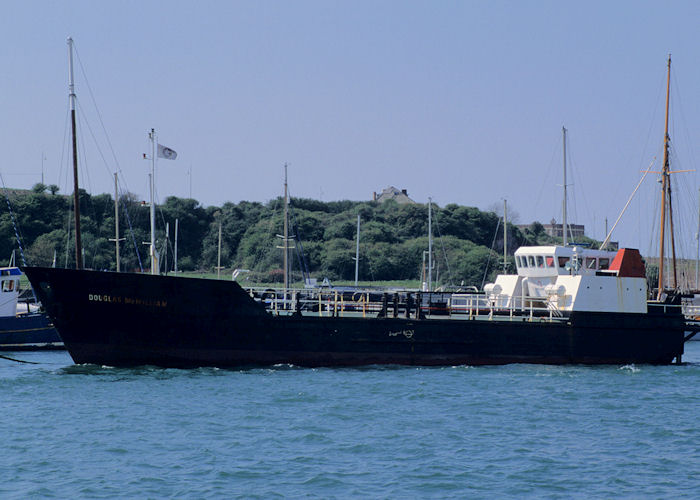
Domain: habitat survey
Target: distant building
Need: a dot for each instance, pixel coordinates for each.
(576, 231)
(391, 193)
(556, 230)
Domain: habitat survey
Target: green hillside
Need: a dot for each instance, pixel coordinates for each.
(467, 241)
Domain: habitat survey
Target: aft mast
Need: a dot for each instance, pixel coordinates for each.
(76, 196)
(666, 200)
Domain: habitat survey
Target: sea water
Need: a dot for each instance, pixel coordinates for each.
(512, 431)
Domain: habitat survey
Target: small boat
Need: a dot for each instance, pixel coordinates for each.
(23, 327)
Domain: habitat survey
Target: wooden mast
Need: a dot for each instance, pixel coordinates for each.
(76, 196)
(666, 197)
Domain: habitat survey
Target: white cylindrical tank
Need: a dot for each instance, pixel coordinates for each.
(554, 289)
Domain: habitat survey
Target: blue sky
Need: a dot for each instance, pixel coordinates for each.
(459, 101)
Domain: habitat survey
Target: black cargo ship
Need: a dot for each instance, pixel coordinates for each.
(137, 319)
(565, 305)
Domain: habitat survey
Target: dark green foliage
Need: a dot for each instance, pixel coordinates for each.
(393, 243)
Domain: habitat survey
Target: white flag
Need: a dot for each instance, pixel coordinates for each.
(165, 152)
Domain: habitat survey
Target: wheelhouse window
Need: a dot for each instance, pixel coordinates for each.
(550, 261)
(8, 285)
(540, 261)
(563, 261)
(603, 263)
(590, 263)
(530, 261)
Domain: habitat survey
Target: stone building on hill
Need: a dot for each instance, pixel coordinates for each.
(391, 193)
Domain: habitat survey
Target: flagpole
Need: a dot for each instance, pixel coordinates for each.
(152, 135)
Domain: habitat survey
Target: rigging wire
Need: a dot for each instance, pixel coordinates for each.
(99, 115)
(14, 221)
(442, 244)
(488, 261)
(301, 256)
(265, 248)
(576, 174)
(544, 182)
(63, 146)
(123, 185)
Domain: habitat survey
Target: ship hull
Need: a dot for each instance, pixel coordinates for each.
(135, 319)
(28, 332)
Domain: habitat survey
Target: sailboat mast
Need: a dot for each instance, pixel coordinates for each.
(697, 243)
(357, 251)
(177, 223)
(165, 249)
(505, 236)
(564, 223)
(76, 197)
(665, 187)
(286, 235)
(116, 220)
(430, 244)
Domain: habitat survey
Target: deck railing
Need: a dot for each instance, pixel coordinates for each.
(413, 304)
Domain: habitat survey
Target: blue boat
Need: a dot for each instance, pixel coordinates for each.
(23, 326)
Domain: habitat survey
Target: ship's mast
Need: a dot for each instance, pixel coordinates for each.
(564, 224)
(430, 244)
(76, 197)
(286, 235)
(666, 199)
(505, 236)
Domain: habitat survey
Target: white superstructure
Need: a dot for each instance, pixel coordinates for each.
(9, 290)
(566, 279)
